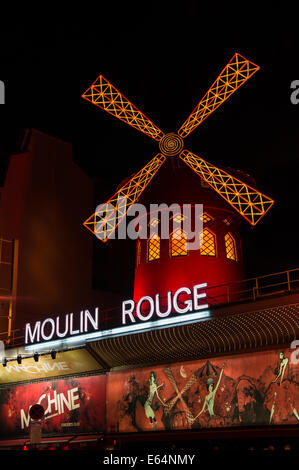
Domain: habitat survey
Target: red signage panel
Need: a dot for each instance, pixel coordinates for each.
(72, 405)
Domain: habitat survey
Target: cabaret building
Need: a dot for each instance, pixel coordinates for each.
(196, 354)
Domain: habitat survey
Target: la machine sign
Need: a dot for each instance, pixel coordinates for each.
(185, 305)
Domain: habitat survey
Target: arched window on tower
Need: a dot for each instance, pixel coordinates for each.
(178, 243)
(206, 218)
(207, 243)
(153, 247)
(230, 246)
(138, 253)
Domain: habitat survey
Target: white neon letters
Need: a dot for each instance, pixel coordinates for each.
(50, 328)
(187, 303)
(147, 307)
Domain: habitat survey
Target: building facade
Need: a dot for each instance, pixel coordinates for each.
(215, 358)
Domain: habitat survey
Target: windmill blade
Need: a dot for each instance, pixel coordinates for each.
(249, 202)
(179, 395)
(190, 382)
(234, 74)
(108, 216)
(106, 96)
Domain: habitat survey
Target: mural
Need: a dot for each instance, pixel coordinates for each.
(73, 405)
(251, 389)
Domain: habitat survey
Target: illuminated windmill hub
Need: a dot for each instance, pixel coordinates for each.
(171, 144)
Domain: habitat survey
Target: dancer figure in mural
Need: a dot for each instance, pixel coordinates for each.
(153, 390)
(283, 364)
(295, 411)
(273, 408)
(210, 397)
(280, 390)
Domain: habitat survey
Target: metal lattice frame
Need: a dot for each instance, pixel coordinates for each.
(234, 75)
(106, 96)
(249, 202)
(109, 215)
(179, 394)
(138, 253)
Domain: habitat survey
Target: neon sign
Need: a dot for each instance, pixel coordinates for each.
(174, 305)
(59, 401)
(50, 328)
(184, 306)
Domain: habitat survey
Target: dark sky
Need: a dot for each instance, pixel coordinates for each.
(164, 64)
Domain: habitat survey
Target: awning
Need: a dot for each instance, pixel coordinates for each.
(237, 328)
(14, 442)
(87, 438)
(52, 440)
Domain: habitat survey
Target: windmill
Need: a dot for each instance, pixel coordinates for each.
(250, 203)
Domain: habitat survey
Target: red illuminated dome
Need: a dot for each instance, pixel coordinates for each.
(164, 265)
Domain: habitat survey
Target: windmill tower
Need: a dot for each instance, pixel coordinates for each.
(227, 195)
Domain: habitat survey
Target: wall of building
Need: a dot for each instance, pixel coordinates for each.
(44, 201)
(241, 390)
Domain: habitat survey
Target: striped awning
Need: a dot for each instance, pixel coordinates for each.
(235, 329)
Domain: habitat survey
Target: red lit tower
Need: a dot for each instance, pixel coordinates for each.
(168, 264)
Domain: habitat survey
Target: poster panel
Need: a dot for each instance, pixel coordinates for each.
(241, 390)
(72, 405)
(65, 363)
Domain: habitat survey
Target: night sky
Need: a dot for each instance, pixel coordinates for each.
(164, 65)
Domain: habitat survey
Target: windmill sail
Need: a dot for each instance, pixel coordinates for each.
(108, 216)
(250, 203)
(234, 75)
(103, 94)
